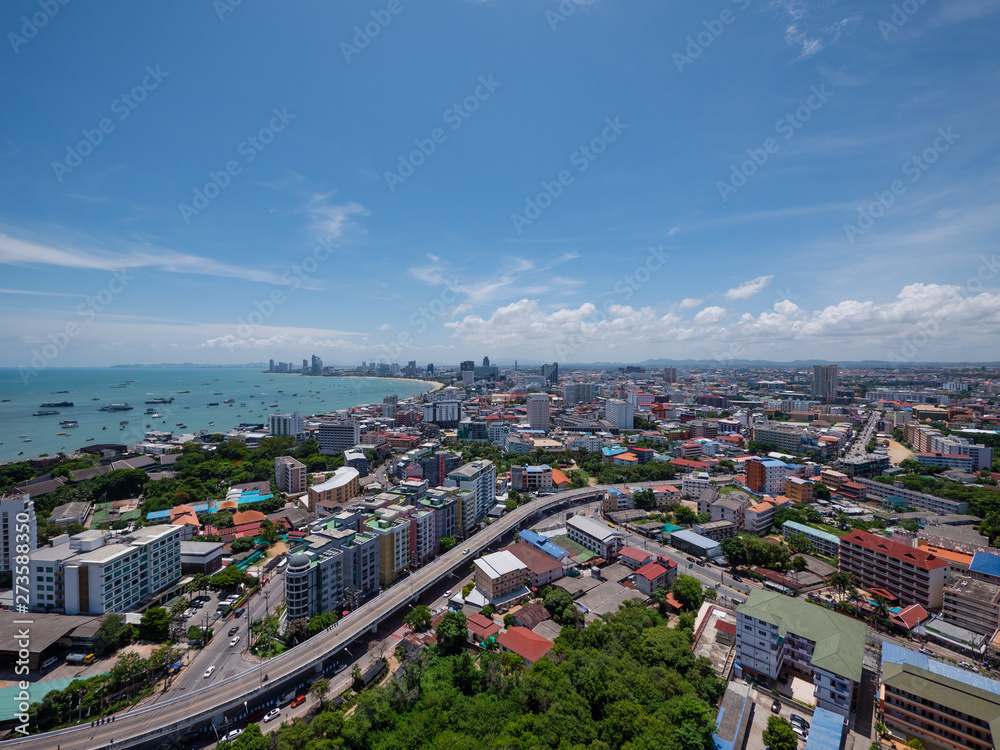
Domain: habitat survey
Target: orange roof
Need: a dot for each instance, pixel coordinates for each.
(526, 644)
(247, 516)
(914, 556)
(558, 477)
(945, 554)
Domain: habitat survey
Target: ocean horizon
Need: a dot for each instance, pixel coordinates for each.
(199, 396)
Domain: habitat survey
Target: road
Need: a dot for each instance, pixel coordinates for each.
(859, 445)
(151, 725)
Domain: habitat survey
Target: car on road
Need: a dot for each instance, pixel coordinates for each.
(233, 735)
(239, 613)
(691, 559)
(796, 719)
(233, 630)
(272, 715)
(465, 551)
(209, 672)
(233, 642)
(197, 604)
(925, 650)
(776, 707)
(298, 701)
(447, 594)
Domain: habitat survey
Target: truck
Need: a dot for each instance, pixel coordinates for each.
(80, 658)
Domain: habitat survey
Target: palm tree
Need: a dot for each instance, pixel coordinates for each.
(881, 609)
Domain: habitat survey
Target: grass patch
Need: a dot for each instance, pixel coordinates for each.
(828, 529)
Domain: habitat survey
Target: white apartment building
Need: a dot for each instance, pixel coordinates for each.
(18, 527)
(336, 437)
(620, 413)
(693, 484)
(479, 477)
(538, 411)
(776, 634)
(105, 573)
(579, 393)
(598, 537)
(290, 475)
(287, 424)
(498, 433)
(443, 411)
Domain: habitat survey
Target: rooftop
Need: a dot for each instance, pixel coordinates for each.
(840, 640)
(896, 550)
(499, 563)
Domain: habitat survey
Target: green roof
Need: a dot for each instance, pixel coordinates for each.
(976, 702)
(839, 639)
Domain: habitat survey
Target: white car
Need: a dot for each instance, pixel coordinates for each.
(465, 551)
(233, 735)
(447, 595)
(272, 715)
(208, 672)
(236, 639)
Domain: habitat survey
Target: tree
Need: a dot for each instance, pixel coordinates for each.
(451, 632)
(644, 499)
(800, 543)
(357, 679)
(487, 611)
(155, 624)
(268, 532)
(687, 590)
(419, 618)
(779, 734)
(685, 515)
(735, 551)
(228, 578)
(448, 543)
(880, 611)
(113, 634)
(909, 524)
(243, 544)
(915, 744)
(508, 620)
(842, 583)
(821, 491)
(319, 689)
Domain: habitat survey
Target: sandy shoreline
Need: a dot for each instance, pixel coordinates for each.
(435, 386)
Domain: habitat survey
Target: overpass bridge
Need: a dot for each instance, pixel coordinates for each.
(154, 725)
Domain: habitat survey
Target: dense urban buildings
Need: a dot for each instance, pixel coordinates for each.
(17, 518)
(911, 574)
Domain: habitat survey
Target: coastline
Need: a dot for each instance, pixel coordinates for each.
(435, 386)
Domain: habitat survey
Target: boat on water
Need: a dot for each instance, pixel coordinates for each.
(4, 400)
(120, 386)
(69, 423)
(229, 401)
(44, 413)
(95, 398)
(167, 400)
(58, 392)
(214, 403)
(183, 391)
(123, 422)
(89, 440)
(217, 394)
(116, 407)
(56, 404)
(154, 415)
(62, 433)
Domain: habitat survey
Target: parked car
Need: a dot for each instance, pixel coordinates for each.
(776, 707)
(802, 732)
(209, 672)
(925, 650)
(233, 735)
(272, 715)
(298, 701)
(796, 719)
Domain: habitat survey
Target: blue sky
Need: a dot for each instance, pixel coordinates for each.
(530, 179)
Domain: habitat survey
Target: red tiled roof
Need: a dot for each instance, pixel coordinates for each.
(533, 615)
(672, 601)
(651, 572)
(912, 555)
(558, 477)
(481, 626)
(911, 616)
(726, 627)
(633, 553)
(529, 646)
(537, 561)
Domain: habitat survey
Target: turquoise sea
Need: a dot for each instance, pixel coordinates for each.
(255, 395)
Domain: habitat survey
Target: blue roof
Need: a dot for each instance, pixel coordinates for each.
(893, 654)
(543, 543)
(691, 537)
(826, 730)
(810, 531)
(985, 562)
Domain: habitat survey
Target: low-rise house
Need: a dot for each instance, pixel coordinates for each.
(528, 645)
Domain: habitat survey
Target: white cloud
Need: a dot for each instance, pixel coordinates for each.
(748, 289)
(384, 327)
(688, 302)
(330, 220)
(710, 315)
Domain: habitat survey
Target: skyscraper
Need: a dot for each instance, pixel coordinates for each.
(669, 374)
(824, 385)
(620, 413)
(551, 372)
(538, 411)
(317, 365)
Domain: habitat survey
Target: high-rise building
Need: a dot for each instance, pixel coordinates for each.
(305, 365)
(486, 361)
(289, 475)
(669, 374)
(335, 437)
(766, 476)
(620, 413)
(551, 372)
(824, 383)
(338, 490)
(17, 519)
(430, 368)
(479, 477)
(579, 393)
(443, 412)
(538, 411)
(287, 424)
(270, 365)
(317, 365)
(393, 532)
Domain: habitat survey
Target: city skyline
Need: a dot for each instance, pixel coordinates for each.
(184, 198)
